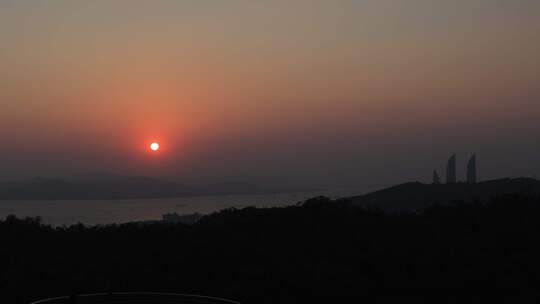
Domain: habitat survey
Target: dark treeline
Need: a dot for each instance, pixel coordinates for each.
(321, 250)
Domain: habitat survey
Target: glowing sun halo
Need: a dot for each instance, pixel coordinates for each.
(154, 146)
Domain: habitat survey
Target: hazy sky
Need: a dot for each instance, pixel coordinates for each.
(308, 91)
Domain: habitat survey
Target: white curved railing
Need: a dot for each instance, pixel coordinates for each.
(135, 298)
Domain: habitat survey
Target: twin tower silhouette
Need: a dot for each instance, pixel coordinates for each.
(451, 177)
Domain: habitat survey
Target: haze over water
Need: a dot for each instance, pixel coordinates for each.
(104, 212)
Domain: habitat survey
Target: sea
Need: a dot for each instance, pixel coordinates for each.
(103, 212)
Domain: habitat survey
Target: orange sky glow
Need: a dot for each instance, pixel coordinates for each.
(330, 91)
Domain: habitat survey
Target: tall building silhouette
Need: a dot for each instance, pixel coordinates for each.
(471, 170)
(451, 170)
(436, 178)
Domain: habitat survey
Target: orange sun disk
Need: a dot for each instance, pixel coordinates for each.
(154, 146)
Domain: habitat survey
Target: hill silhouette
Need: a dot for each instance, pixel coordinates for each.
(416, 195)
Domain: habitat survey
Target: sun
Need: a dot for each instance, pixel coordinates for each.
(154, 146)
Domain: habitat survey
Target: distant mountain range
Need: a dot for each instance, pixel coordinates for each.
(415, 195)
(407, 196)
(106, 186)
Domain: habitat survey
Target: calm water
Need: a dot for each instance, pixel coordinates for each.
(92, 212)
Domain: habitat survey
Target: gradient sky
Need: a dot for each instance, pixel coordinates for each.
(304, 92)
